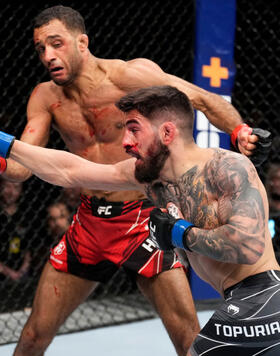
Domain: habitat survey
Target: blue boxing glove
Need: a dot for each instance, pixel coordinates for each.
(6, 142)
(168, 232)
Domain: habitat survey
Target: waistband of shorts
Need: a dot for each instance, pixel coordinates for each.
(106, 209)
(255, 278)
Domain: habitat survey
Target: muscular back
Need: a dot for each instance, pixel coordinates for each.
(224, 197)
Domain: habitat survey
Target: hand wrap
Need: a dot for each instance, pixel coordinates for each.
(234, 134)
(6, 142)
(168, 232)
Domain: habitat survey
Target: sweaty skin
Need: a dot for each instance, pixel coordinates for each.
(81, 106)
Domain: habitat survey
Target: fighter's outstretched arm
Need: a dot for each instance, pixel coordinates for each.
(254, 143)
(68, 170)
(141, 72)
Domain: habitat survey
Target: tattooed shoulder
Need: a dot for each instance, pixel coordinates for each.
(225, 173)
(230, 171)
(177, 192)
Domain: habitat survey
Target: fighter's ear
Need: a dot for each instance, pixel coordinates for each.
(83, 42)
(167, 132)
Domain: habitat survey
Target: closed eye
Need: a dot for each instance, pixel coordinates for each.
(40, 49)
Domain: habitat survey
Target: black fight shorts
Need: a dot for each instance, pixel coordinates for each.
(248, 321)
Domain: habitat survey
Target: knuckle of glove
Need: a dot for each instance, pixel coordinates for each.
(160, 229)
(156, 216)
(263, 146)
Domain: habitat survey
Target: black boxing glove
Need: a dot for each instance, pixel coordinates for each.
(263, 146)
(168, 232)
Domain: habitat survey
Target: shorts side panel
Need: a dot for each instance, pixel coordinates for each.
(95, 244)
(247, 323)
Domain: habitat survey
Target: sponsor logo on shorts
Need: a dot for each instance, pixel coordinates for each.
(153, 239)
(248, 331)
(233, 309)
(59, 248)
(149, 245)
(104, 210)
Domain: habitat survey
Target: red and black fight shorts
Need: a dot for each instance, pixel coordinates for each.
(107, 235)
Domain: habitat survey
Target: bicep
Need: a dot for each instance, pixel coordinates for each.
(239, 236)
(241, 210)
(37, 129)
(239, 189)
(197, 95)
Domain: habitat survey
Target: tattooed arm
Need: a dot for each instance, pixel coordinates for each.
(241, 236)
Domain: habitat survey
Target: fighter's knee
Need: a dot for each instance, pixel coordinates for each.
(33, 341)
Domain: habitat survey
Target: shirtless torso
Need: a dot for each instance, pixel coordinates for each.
(80, 99)
(91, 126)
(79, 102)
(216, 198)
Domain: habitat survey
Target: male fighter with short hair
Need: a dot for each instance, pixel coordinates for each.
(79, 101)
(223, 228)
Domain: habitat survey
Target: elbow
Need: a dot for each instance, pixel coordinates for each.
(18, 177)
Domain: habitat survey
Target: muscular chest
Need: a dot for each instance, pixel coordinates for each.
(84, 123)
(190, 194)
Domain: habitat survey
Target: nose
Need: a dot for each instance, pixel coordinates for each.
(49, 54)
(127, 141)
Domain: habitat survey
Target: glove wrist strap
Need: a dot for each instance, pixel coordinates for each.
(178, 231)
(233, 136)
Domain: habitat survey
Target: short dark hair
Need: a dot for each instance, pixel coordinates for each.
(71, 18)
(153, 99)
(156, 99)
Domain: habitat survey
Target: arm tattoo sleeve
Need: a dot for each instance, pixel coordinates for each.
(240, 236)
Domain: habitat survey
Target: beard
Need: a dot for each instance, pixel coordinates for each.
(150, 169)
